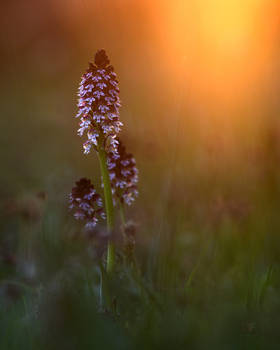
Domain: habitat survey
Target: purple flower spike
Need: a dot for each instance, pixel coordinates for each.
(99, 104)
(86, 203)
(123, 174)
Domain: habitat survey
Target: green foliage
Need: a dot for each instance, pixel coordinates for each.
(191, 285)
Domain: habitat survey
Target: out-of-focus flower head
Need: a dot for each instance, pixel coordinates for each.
(129, 230)
(99, 104)
(123, 174)
(86, 203)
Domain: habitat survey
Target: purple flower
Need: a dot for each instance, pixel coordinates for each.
(86, 203)
(123, 174)
(99, 104)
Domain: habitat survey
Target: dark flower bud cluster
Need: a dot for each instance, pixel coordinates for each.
(123, 174)
(86, 203)
(99, 104)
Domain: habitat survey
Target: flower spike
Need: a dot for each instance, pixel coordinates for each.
(123, 174)
(99, 104)
(86, 203)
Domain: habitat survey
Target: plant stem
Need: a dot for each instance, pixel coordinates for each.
(108, 206)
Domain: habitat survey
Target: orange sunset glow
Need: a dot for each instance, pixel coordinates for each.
(225, 49)
(140, 174)
(228, 45)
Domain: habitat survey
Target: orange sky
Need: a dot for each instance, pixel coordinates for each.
(227, 47)
(223, 52)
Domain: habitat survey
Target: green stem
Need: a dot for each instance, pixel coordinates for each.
(108, 206)
(107, 189)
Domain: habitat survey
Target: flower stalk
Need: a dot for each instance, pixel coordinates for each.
(107, 189)
(99, 120)
(109, 207)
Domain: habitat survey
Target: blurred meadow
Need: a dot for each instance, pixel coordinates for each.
(200, 83)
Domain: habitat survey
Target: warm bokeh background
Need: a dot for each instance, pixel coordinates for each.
(200, 83)
(201, 72)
